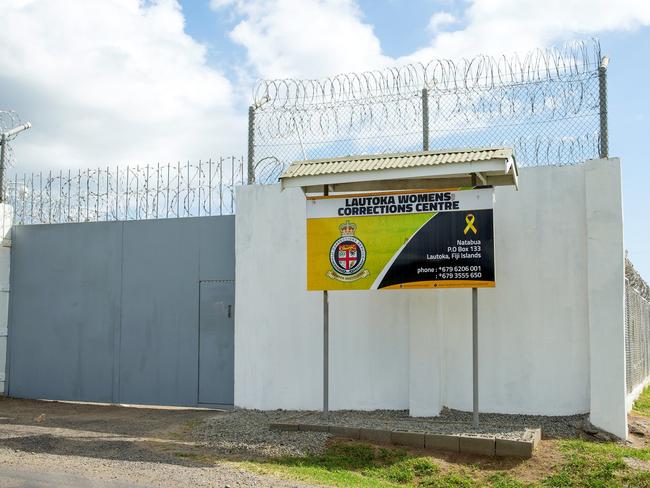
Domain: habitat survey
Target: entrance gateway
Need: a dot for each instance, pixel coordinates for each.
(136, 312)
(399, 222)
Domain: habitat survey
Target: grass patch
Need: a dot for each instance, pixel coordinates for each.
(642, 404)
(358, 464)
(364, 465)
(504, 480)
(584, 464)
(194, 456)
(594, 464)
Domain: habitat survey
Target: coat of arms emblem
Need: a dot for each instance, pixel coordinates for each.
(347, 255)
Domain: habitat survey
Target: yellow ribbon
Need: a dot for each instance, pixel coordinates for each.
(469, 220)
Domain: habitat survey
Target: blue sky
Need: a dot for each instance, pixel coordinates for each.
(124, 81)
(402, 29)
(629, 120)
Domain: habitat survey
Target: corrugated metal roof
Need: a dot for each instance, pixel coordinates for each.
(350, 164)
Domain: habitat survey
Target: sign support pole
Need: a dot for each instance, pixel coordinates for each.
(475, 356)
(326, 341)
(475, 421)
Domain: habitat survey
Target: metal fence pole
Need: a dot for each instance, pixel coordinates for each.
(425, 119)
(16, 199)
(603, 151)
(251, 145)
(3, 144)
(326, 342)
(4, 139)
(475, 421)
(475, 407)
(22, 203)
(232, 184)
(210, 186)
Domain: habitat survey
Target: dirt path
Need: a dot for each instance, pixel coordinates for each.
(54, 444)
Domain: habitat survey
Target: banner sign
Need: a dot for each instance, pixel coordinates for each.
(401, 240)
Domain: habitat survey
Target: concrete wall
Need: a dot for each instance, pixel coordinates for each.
(606, 291)
(6, 217)
(412, 349)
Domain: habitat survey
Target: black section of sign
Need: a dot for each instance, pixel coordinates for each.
(442, 251)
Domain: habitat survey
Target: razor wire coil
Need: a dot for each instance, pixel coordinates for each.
(546, 105)
(637, 328)
(187, 189)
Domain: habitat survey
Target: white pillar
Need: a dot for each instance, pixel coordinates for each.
(425, 353)
(606, 295)
(6, 216)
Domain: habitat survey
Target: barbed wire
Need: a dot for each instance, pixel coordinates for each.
(636, 281)
(8, 120)
(637, 327)
(545, 104)
(127, 193)
(572, 60)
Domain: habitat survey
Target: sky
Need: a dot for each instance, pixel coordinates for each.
(127, 81)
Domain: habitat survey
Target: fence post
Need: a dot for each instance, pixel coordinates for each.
(251, 144)
(3, 144)
(603, 150)
(425, 119)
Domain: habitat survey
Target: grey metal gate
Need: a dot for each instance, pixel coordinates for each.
(216, 342)
(120, 311)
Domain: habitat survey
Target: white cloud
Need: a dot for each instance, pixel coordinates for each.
(107, 81)
(319, 38)
(112, 81)
(440, 20)
(504, 26)
(217, 4)
(305, 38)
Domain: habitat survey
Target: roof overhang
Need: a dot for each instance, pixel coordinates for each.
(418, 170)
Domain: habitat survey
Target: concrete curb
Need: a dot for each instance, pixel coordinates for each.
(375, 435)
(483, 446)
(441, 442)
(413, 439)
(349, 432)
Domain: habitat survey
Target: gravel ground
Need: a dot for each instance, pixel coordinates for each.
(451, 422)
(180, 448)
(50, 444)
(51, 470)
(246, 433)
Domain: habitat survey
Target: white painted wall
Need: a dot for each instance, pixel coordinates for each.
(412, 349)
(6, 216)
(606, 291)
(533, 327)
(278, 338)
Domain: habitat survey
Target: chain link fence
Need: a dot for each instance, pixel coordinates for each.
(637, 328)
(550, 105)
(126, 193)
